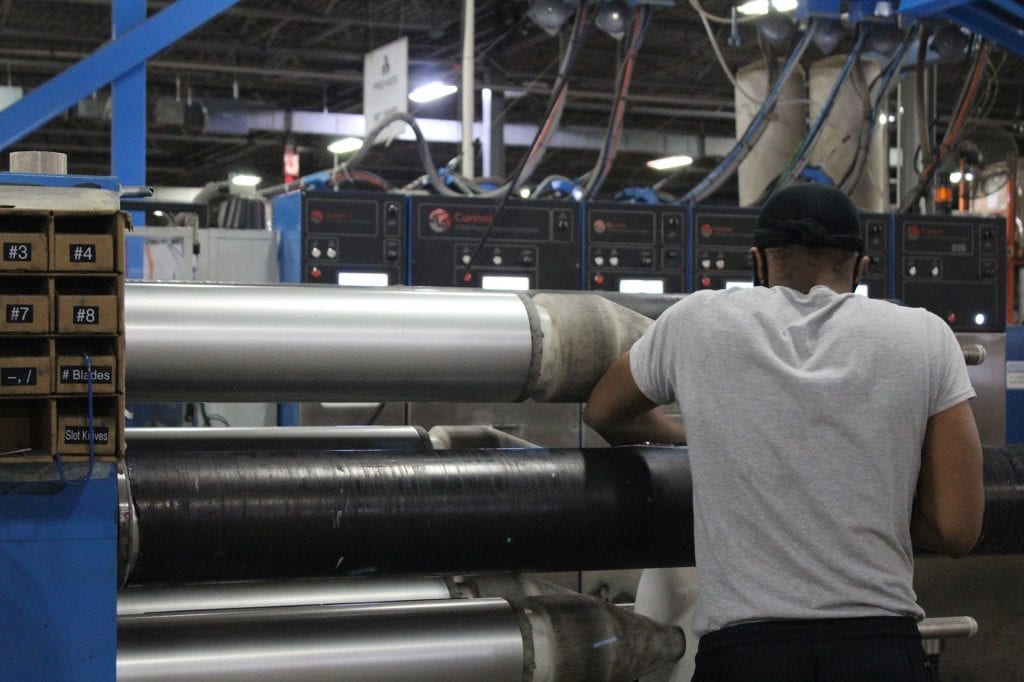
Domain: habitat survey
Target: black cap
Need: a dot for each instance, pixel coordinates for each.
(809, 215)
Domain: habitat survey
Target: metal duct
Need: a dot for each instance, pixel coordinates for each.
(839, 138)
(781, 136)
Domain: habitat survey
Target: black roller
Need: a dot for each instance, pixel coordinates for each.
(1002, 530)
(207, 516)
(204, 516)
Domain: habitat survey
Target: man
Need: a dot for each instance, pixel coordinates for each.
(827, 432)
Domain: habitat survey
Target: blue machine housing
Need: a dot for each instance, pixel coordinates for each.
(58, 550)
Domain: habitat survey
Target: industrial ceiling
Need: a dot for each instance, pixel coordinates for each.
(307, 55)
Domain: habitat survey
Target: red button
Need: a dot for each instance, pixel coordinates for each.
(468, 277)
(599, 279)
(951, 318)
(705, 281)
(315, 273)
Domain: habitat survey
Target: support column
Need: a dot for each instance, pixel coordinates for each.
(128, 98)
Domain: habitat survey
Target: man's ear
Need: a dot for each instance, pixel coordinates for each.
(760, 271)
(862, 267)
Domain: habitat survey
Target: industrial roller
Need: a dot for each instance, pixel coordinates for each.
(256, 343)
(210, 516)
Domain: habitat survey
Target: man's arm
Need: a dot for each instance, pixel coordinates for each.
(950, 490)
(622, 414)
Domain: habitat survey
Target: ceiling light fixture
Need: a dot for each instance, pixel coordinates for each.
(670, 162)
(432, 91)
(551, 15)
(345, 145)
(612, 18)
(245, 179)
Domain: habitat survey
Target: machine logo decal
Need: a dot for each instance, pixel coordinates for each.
(440, 220)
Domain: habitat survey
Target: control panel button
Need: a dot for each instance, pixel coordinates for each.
(912, 271)
(614, 260)
(391, 210)
(315, 252)
(646, 261)
(671, 254)
(720, 264)
(598, 260)
(936, 270)
(497, 260)
(527, 259)
(705, 281)
(332, 252)
(599, 279)
(391, 254)
(315, 272)
(951, 318)
(562, 225)
(705, 263)
(466, 258)
(989, 269)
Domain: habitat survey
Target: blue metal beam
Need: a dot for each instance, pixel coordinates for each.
(1013, 7)
(920, 8)
(998, 31)
(128, 99)
(109, 62)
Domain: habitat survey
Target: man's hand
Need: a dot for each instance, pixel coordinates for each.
(622, 414)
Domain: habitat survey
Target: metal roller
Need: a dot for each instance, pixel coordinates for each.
(257, 343)
(279, 437)
(457, 640)
(253, 343)
(137, 601)
(203, 516)
(208, 516)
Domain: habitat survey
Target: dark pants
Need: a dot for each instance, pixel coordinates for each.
(832, 650)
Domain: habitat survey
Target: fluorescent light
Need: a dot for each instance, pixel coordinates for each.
(883, 119)
(739, 284)
(667, 162)
(432, 91)
(641, 286)
(363, 279)
(245, 180)
(955, 177)
(756, 7)
(345, 145)
(969, 176)
(525, 192)
(158, 213)
(505, 283)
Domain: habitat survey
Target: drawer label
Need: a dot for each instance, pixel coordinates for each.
(82, 253)
(20, 252)
(19, 313)
(78, 435)
(18, 376)
(86, 314)
(77, 374)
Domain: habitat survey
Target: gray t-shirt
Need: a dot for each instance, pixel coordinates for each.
(805, 416)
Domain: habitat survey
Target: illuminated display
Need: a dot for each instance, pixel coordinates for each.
(363, 279)
(505, 282)
(642, 286)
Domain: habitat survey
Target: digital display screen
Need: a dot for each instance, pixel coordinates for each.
(642, 286)
(506, 283)
(739, 284)
(363, 279)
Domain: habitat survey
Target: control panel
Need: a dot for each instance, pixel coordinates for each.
(535, 244)
(722, 237)
(341, 238)
(635, 248)
(954, 267)
(874, 228)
